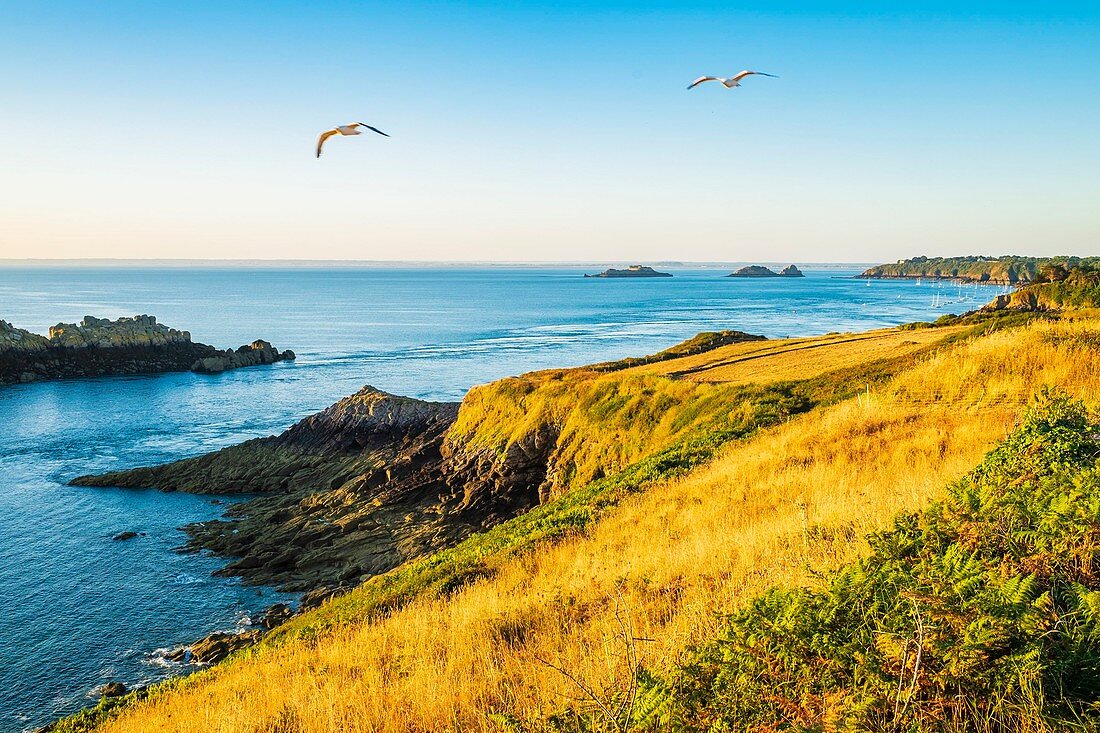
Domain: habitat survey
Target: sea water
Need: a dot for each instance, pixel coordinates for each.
(78, 609)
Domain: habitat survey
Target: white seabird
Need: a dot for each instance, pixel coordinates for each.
(730, 82)
(352, 129)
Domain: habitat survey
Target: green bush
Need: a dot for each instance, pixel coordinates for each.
(981, 613)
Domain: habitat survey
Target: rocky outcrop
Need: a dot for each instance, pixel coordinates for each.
(100, 347)
(632, 271)
(376, 479)
(350, 492)
(213, 648)
(761, 271)
(258, 352)
(113, 689)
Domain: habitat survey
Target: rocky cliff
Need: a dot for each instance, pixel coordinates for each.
(101, 347)
(352, 491)
(377, 479)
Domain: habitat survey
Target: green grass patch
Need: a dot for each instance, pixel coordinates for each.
(981, 613)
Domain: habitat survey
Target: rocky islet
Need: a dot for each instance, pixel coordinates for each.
(129, 345)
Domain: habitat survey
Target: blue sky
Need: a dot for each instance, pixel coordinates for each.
(548, 131)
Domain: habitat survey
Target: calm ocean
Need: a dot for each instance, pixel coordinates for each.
(78, 609)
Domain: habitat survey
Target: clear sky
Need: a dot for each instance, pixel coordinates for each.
(548, 130)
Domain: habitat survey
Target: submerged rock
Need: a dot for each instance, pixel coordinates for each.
(123, 536)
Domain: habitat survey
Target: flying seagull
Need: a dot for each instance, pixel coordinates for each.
(352, 129)
(731, 82)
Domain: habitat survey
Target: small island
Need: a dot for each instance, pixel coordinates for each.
(632, 271)
(101, 347)
(761, 271)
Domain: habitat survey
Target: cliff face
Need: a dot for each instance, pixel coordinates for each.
(1078, 288)
(353, 491)
(376, 479)
(100, 347)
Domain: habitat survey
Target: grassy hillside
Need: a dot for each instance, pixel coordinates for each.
(553, 619)
(1008, 269)
(981, 612)
(1077, 288)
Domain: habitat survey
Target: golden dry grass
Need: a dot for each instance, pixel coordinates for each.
(606, 421)
(795, 498)
(784, 360)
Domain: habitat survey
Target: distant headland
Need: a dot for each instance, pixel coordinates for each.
(761, 271)
(101, 347)
(1004, 270)
(632, 271)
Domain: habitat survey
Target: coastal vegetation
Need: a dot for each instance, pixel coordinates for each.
(632, 271)
(702, 536)
(1004, 270)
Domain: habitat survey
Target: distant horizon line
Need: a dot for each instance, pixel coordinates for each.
(315, 263)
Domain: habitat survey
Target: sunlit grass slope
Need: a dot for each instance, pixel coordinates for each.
(980, 613)
(505, 630)
(768, 362)
(604, 421)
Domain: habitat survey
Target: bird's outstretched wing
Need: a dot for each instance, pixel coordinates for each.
(324, 136)
(746, 72)
(702, 79)
(375, 129)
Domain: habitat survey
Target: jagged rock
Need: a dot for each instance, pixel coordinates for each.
(791, 271)
(258, 352)
(101, 347)
(213, 648)
(274, 616)
(113, 689)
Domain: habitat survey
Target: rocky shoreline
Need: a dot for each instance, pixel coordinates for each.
(100, 347)
(350, 492)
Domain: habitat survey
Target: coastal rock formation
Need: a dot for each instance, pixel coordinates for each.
(113, 689)
(761, 271)
(632, 271)
(213, 647)
(351, 491)
(258, 352)
(101, 347)
(1077, 288)
(18, 340)
(376, 480)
